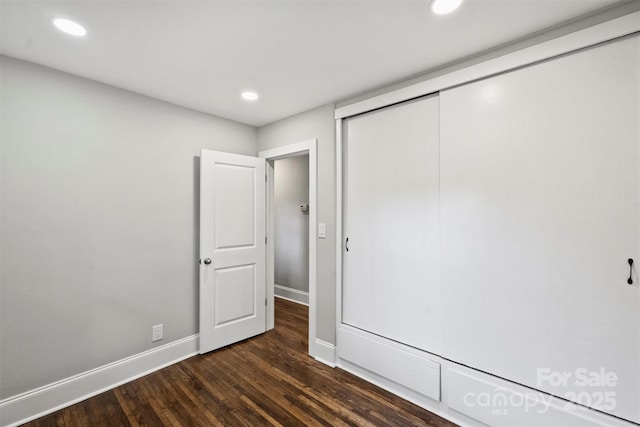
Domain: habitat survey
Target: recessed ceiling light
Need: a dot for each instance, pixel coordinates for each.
(442, 7)
(249, 96)
(69, 27)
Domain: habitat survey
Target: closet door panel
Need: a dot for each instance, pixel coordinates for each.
(391, 190)
(540, 214)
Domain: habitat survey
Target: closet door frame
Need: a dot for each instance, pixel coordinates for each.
(614, 24)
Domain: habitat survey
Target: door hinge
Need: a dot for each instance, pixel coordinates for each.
(265, 302)
(265, 178)
(265, 240)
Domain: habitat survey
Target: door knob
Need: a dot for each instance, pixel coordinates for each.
(207, 261)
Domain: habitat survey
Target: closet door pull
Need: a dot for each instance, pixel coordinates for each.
(630, 280)
(346, 244)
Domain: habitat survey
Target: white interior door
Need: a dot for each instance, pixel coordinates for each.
(232, 248)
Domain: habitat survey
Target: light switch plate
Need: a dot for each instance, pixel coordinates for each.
(322, 230)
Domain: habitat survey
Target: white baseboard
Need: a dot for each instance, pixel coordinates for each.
(325, 353)
(291, 294)
(36, 403)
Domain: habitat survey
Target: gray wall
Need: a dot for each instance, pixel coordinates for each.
(291, 189)
(99, 221)
(318, 123)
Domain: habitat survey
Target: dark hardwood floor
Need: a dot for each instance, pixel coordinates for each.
(266, 380)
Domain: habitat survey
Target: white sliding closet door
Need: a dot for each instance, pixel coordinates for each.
(540, 214)
(391, 190)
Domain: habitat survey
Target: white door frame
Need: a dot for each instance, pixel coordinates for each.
(307, 147)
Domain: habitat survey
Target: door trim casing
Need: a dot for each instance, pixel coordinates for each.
(308, 147)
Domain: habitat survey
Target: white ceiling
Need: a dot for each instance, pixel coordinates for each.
(297, 54)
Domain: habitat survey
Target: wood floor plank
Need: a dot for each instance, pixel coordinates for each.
(127, 407)
(267, 380)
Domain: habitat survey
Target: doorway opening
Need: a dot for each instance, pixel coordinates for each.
(291, 153)
(291, 228)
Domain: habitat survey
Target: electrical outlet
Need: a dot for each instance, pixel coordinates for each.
(156, 334)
